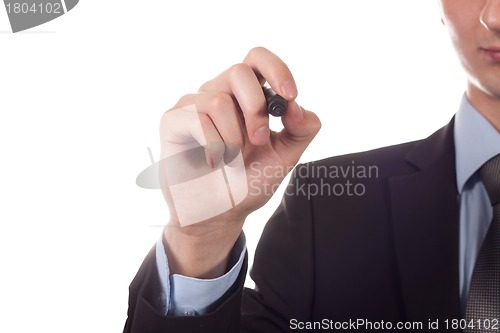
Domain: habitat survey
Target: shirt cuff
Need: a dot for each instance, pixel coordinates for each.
(186, 296)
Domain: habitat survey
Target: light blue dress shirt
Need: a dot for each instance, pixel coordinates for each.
(476, 141)
(186, 296)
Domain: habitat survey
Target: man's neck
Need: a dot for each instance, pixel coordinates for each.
(487, 105)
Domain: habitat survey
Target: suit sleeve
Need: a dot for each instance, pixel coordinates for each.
(283, 265)
(282, 272)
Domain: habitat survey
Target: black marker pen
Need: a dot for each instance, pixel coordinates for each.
(276, 104)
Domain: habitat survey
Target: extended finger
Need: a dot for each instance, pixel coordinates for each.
(241, 82)
(274, 70)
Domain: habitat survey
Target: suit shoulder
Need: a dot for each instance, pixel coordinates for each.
(387, 161)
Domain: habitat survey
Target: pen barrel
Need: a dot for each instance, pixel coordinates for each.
(276, 104)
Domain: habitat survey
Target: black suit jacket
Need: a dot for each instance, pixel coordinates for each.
(390, 254)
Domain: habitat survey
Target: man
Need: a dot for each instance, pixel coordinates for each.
(396, 252)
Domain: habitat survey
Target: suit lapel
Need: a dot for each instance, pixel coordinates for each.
(426, 229)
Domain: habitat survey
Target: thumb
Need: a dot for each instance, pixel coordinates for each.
(300, 128)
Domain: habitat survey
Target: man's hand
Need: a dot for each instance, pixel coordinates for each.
(226, 121)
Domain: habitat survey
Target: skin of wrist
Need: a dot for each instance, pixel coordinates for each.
(200, 250)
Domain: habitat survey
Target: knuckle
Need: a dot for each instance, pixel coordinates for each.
(255, 51)
(205, 86)
(183, 101)
(239, 70)
(220, 102)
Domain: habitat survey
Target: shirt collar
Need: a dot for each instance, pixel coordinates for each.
(476, 141)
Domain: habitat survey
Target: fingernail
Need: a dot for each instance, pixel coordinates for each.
(261, 135)
(289, 89)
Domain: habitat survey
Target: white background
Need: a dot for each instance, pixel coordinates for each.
(80, 102)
